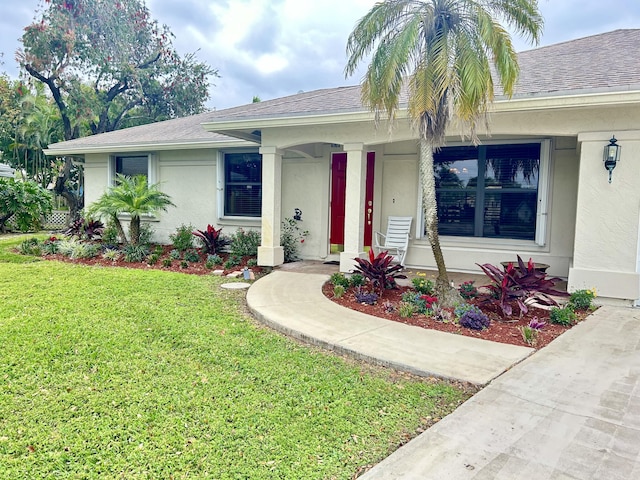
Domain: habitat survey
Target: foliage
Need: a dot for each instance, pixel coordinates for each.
(50, 246)
(174, 254)
(463, 308)
(339, 279)
(108, 62)
(245, 243)
(468, 290)
(422, 285)
(232, 261)
(562, 316)
(30, 246)
(379, 271)
(531, 332)
(212, 240)
(146, 234)
(291, 237)
(167, 262)
(338, 291)
(85, 228)
(184, 264)
(127, 373)
(441, 314)
(252, 262)
(135, 253)
(214, 259)
(132, 196)
(437, 56)
(582, 299)
(191, 256)
(388, 307)
(110, 235)
(111, 254)
(27, 202)
(182, 238)
(475, 320)
(356, 280)
(153, 259)
(520, 286)
(406, 309)
(84, 250)
(423, 303)
(363, 296)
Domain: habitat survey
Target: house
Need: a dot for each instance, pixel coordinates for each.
(6, 171)
(535, 186)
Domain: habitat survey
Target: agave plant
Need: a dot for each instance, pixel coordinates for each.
(379, 271)
(212, 240)
(522, 285)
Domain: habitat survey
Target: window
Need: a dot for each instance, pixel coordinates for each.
(490, 191)
(242, 184)
(131, 166)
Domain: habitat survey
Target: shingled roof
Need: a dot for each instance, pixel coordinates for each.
(605, 62)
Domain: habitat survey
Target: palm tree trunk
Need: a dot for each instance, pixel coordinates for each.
(447, 295)
(121, 234)
(134, 230)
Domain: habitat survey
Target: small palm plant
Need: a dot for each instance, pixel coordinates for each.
(132, 196)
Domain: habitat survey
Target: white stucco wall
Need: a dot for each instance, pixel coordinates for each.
(608, 218)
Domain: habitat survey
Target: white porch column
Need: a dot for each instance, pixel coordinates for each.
(607, 237)
(270, 253)
(354, 205)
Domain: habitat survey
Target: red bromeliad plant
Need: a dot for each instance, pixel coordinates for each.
(379, 271)
(212, 240)
(522, 286)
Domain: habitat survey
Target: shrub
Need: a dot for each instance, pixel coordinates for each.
(582, 299)
(211, 239)
(191, 256)
(167, 262)
(27, 202)
(110, 235)
(245, 243)
(562, 316)
(184, 264)
(252, 262)
(146, 234)
(362, 296)
(50, 246)
(174, 254)
(66, 246)
(422, 285)
(515, 285)
(356, 280)
(291, 237)
(215, 259)
(388, 306)
(153, 259)
(338, 291)
(135, 253)
(423, 303)
(406, 309)
(30, 246)
(379, 271)
(84, 250)
(85, 229)
(182, 239)
(232, 261)
(158, 250)
(462, 308)
(111, 254)
(475, 320)
(530, 332)
(468, 290)
(209, 265)
(340, 279)
(441, 315)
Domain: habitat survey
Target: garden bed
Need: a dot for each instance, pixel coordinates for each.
(501, 329)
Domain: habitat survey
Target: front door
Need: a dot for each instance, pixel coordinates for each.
(338, 194)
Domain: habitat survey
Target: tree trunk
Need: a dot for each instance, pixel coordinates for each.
(60, 188)
(134, 230)
(447, 295)
(121, 234)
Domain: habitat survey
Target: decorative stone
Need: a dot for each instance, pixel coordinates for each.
(234, 274)
(218, 273)
(236, 285)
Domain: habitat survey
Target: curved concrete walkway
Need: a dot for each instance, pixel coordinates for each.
(293, 303)
(569, 412)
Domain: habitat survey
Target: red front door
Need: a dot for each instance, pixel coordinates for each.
(338, 194)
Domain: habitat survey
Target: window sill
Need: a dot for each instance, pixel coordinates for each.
(483, 243)
(240, 221)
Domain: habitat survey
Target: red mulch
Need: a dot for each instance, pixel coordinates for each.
(195, 268)
(503, 330)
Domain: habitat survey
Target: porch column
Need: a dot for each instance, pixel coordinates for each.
(270, 253)
(354, 205)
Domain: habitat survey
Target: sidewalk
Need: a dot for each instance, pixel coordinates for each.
(293, 303)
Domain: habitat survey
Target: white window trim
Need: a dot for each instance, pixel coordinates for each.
(542, 216)
(152, 167)
(220, 164)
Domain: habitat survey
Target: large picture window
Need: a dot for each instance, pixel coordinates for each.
(243, 184)
(131, 166)
(488, 191)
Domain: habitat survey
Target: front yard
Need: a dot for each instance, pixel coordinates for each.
(122, 373)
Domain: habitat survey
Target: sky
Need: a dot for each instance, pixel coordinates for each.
(273, 48)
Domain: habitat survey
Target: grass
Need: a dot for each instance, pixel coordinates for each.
(118, 373)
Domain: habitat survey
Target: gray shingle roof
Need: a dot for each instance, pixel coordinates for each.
(608, 61)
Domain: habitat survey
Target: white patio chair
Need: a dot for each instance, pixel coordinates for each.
(396, 240)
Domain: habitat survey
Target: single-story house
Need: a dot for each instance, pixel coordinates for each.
(535, 186)
(6, 171)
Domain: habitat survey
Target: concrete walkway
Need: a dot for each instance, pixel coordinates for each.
(569, 412)
(293, 303)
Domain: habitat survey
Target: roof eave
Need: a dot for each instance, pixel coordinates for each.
(146, 146)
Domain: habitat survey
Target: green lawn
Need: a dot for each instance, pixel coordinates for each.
(117, 373)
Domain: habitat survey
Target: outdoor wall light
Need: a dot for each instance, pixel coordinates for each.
(611, 156)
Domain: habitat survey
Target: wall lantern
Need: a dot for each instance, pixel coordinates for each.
(611, 156)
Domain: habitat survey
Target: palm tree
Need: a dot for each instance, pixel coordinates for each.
(442, 52)
(132, 196)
